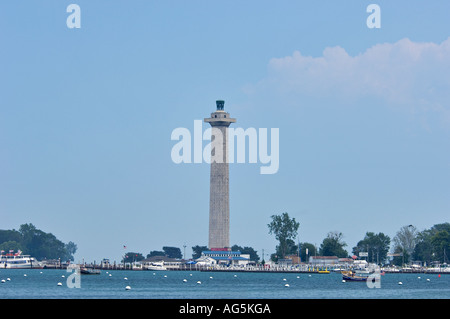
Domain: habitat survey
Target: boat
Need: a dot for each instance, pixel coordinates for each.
(89, 271)
(18, 261)
(156, 266)
(350, 276)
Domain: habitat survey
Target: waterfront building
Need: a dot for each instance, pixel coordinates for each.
(225, 257)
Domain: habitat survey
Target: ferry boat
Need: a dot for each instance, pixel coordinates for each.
(17, 260)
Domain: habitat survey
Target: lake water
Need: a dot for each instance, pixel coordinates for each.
(43, 283)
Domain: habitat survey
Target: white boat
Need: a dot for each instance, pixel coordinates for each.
(156, 266)
(17, 260)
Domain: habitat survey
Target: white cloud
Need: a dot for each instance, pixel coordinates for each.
(402, 73)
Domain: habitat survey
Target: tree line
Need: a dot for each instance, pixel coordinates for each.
(37, 243)
(408, 245)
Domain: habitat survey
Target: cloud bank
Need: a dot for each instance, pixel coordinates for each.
(402, 73)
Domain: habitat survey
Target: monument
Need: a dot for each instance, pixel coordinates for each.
(219, 200)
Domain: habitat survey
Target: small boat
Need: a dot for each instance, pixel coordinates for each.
(89, 271)
(350, 276)
(156, 266)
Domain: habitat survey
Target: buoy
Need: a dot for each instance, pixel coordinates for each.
(110, 275)
(210, 277)
(235, 275)
(59, 284)
(343, 280)
(125, 278)
(298, 277)
(190, 274)
(428, 279)
(63, 276)
(439, 276)
(24, 275)
(199, 282)
(287, 285)
(400, 283)
(3, 281)
(284, 279)
(8, 279)
(184, 280)
(418, 277)
(127, 288)
(165, 276)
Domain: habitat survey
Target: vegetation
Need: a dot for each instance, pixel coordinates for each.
(333, 245)
(376, 245)
(35, 242)
(285, 230)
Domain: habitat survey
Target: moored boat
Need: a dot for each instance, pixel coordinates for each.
(18, 261)
(350, 276)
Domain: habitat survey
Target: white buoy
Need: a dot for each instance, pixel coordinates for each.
(343, 280)
(284, 279)
(3, 281)
(418, 277)
(190, 274)
(428, 279)
(63, 276)
(110, 275)
(125, 278)
(298, 277)
(210, 277)
(400, 283)
(165, 276)
(199, 282)
(235, 275)
(8, 279)
(24, 275)
(184, 280)
(59, 284)
(287, 285)
(127, 288)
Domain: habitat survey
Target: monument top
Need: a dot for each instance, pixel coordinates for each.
(220, 104)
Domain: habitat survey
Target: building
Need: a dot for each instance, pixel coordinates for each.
(219, 203)
(323, 260)
(224, 257)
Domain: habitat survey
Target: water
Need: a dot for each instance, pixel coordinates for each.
(42, 283)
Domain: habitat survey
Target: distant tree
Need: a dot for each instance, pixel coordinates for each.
(71, 249)
(333, 245)
(285, 230)
(405, 241)
(11, 245)
(311, 251)
(131, 257)
(377, 246)
(173, 252)
(156, 253)
(197, 251)
(247, 250)
(430, 244)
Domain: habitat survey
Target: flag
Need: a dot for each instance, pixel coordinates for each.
(124, 247)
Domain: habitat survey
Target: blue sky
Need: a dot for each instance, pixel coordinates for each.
(86, 117)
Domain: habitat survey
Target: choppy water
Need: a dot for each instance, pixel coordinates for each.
(230, 285)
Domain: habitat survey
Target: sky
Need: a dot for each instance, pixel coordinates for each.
(86, 116)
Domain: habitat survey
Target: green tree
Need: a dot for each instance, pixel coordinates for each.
(428, 250)
(132, 257)
(311, 251)
(377, 245)
(172, 252)
(405, 241)
(285, 230)
(247, 250)
(197, 251)
(333, 245)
